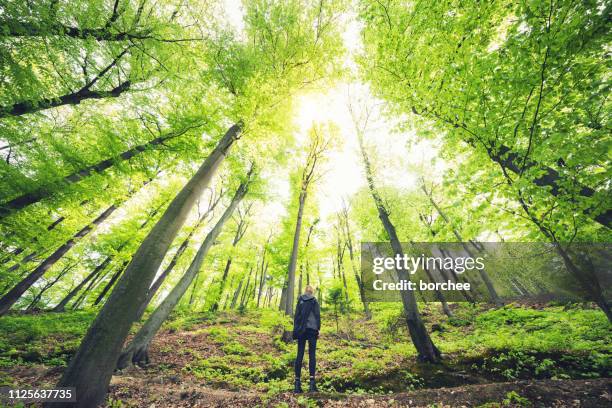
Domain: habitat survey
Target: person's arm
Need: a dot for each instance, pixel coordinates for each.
(317, 313)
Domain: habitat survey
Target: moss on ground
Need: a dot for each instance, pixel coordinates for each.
(245, 351)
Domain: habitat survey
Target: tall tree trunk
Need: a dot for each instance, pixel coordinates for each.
(14, 294)
(236, 294)
(349, 244)
(262, 280)
(181, 249)
(426, 350)
(95, 274)
(45, 191)
(246, 288)
(439, 293)
(90, 370)
(282, 301)
(136, 351)
(88, 290)
(240, 231)
(289, 293)
(19, 250)
(193, 290)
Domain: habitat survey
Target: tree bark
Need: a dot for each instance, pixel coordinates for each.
(426, 350)
(236, 294)
(289, 293)
(19, 29)
(90, 370)
(136, 352)
(184, 245)
(14, 294)
(73, 98)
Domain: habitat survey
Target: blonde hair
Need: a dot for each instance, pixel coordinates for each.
(309, 289)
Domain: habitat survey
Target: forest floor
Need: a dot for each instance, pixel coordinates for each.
(514, 356)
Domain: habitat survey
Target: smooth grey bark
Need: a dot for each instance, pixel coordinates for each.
(14, 294)
(289, 292)
(181, 249)
(426, 350)
(136, 351)
(90, 370)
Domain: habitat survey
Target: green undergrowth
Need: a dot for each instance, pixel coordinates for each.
(246, 351)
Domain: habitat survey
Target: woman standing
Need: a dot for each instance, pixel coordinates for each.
(306, 326)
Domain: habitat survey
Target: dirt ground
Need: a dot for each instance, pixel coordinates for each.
(162, 392)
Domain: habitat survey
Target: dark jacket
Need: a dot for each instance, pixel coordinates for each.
(307, 315)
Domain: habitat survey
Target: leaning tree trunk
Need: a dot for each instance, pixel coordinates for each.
(236, 294)
(426, 350)
(91, 368)
(19, 250)
(240, 231)
(290, 283)
(136, 352)
(161, 278)
(14, 294)
(45, 191)
(97, 273)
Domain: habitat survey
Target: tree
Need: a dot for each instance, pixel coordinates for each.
(319, 144)
(14, 294)
(241, 227)
(426, 350)
(136, 351)
(346, 229)
(91, 368)
(504, 90)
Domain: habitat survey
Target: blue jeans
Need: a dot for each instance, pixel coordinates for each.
(310, 336)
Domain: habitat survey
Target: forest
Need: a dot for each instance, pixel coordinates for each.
(175, 174)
